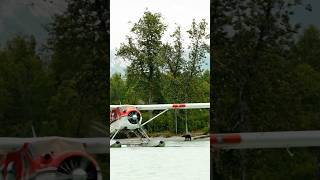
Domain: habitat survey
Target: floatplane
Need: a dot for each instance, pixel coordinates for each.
(128, 118)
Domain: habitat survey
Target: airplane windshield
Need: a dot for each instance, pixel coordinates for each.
(55, 146)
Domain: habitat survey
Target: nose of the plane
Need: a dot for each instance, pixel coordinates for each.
(134, 117)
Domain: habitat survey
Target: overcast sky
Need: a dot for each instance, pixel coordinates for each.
(27, 17)
(173, 11)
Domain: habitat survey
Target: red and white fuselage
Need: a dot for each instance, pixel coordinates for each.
(124, 117)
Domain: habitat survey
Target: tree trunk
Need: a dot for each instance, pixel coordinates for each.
(150, 100)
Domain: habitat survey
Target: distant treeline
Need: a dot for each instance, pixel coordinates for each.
(266, 77)
(60, 89)
(162, 72)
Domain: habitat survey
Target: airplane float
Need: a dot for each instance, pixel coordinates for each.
(50, 158)
(128, 118)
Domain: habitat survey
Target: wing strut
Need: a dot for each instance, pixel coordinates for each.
(154, 117)
(115, 134)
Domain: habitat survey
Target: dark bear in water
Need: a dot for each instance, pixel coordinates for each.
(187, 137)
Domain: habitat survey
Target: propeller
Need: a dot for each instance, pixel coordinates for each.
(134, 117)
(77, 168)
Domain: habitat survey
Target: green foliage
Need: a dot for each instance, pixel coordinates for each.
(25, 88)
(78, 40)
(117, 89)
(265, 79)
(198, 47)
(160, 73)
(142, 52)
(65, 95)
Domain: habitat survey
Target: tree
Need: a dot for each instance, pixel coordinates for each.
(117, 89)
(78, 40)
(142, 51)
(24, 86)
(174, 63)
(198, 51)
(252, 75)
(161, 73)
(307, 47)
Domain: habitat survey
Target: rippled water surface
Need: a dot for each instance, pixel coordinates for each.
(176, 161)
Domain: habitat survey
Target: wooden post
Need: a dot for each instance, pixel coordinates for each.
(175, 117)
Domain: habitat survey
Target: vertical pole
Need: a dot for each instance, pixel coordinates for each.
(175, 117)
(186, 111)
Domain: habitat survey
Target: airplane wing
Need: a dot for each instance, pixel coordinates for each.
(284, 139)
(98, 145)
(167, 106)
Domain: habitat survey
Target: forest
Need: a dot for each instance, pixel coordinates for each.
(265, 77)
(161, 72)
(60, 88)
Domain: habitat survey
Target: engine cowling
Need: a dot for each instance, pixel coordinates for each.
(134, 117)
(78, 167)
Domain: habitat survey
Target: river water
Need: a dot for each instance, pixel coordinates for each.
(179, 160)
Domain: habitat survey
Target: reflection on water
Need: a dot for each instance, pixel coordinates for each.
(179, 160)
